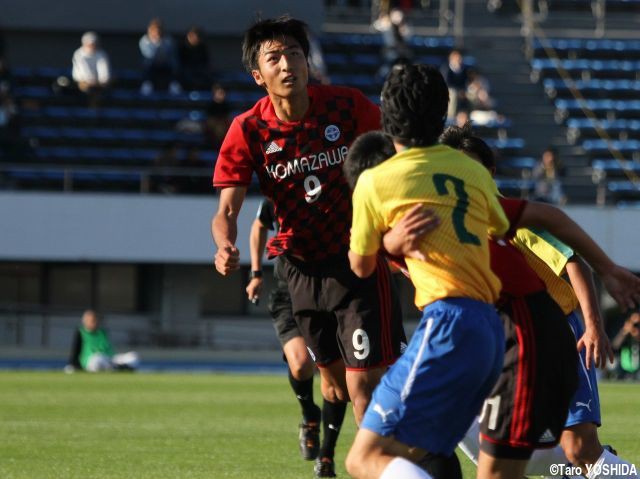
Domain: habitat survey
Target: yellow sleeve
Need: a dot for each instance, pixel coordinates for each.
(367, 225)
(498, 222)
(546, 247)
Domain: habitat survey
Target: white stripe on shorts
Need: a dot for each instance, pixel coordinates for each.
(406, 389)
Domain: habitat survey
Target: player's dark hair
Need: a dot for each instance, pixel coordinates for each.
(368, 150)
(269, 30)
(414, 104)
(462, 138)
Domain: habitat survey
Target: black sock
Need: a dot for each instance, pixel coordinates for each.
(332, 417)
(304, 393)
(440, 466)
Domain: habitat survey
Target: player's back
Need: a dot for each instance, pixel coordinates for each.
(462, 193)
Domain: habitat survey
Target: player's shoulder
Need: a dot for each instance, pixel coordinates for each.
(257, 112)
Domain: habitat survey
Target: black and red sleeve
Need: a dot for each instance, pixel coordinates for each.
(513, 209)
(234, 165)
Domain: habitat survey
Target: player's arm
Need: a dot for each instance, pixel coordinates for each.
(366, 227)
(224, 229)
(594, 340)
(405, 236)
(623, 285)
(257, 243)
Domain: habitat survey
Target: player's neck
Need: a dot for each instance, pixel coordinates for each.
(291, 108)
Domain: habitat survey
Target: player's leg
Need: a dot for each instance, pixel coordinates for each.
(375, 456)
(427, 399)
(129, 360)
(360, 385)
(370, 331)
(301, 366)
(579, 440)
(99, 362)
(490, 467)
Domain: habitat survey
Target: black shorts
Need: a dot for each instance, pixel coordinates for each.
(344, 317)
(528, 406)
(279, 307)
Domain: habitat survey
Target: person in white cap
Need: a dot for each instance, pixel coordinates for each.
(91, 70)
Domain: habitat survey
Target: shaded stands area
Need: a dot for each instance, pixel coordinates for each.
(156, 142)
(594, 85)
(131, 142)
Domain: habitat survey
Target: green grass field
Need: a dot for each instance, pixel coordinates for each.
(188, 426)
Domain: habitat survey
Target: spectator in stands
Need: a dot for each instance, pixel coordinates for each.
(166, 181)
(478, 91)
(218, 116)
(5, 77)
(160, 61)
(317, 66)
(546, 174)
(462, 118)
(456, 74)
(194, 61)
(627, 346)
(396, 34)
(91, 70)
(92, 351)
(9, 124)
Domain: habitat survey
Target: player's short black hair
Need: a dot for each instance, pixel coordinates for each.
(414, 104)
(269, 30)
(462, 138)
(368, 150)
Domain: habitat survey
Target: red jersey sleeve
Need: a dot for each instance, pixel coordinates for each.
(369, 117)
(234, 166)
(513, 209)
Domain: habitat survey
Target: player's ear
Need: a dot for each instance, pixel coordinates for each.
(257, 77)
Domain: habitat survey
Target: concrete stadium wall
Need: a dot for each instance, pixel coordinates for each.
(175, 229)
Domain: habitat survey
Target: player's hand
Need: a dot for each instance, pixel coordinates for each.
(227, 259)
(597, 347)
(254, 289)
(405, 237)
(623, 286)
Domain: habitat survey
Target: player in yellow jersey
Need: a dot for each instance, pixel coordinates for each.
(550, 258)
(579, 444)
(428, 399)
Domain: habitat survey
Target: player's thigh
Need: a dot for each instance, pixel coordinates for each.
(370, 330)
(333, 382)
(371, 452)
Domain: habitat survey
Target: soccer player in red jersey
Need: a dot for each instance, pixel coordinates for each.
(295, 139)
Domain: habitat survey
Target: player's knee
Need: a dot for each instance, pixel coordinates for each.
(582, 451)
(301, 369)
(581, 446)
(334, 393)
(355, 462)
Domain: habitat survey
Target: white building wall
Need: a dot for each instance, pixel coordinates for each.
(176, 229)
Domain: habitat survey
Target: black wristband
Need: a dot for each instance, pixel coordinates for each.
(255, 274)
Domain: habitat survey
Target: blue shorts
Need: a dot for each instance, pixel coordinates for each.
(585, 404)
(430, 396)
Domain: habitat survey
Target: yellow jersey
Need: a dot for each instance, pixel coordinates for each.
(548, 257)
(461, 192)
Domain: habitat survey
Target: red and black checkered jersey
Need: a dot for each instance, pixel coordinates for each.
(299, 167)
(508, 262)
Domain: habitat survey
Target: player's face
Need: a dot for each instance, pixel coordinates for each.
(282, 68)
